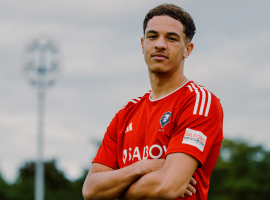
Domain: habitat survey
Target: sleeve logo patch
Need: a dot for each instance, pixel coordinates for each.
(165, 119)
(195, 138)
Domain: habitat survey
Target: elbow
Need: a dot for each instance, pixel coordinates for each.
(88, 193)
(90, 190)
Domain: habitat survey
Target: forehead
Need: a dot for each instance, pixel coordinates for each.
(165, 24)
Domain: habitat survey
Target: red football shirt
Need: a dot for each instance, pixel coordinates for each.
(189, 120)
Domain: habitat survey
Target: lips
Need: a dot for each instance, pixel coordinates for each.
(159, 56)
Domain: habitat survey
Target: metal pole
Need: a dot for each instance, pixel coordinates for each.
(39, 183)
(41, 68)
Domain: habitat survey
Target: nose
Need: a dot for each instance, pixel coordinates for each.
(161, 43)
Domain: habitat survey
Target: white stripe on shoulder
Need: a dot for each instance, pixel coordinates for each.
(190, 88)
(208, 103)
(136, 100)
(203, 99)
(209, 95)
(133, 101)
(197, 99)
(197, 88)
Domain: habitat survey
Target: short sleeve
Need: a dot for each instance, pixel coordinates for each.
(197, 128)
(107, 153)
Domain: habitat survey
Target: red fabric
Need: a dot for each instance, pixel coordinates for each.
(188, 120)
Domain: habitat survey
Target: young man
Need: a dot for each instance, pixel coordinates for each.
(157, 143)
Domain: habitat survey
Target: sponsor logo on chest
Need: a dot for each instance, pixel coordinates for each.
(155, 151)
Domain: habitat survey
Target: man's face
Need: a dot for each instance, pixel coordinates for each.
(164, 44)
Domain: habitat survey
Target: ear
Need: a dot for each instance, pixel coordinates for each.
(188, 49)
(142, 43)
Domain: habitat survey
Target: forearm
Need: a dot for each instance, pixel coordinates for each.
(170, 182)
(110, 184)
(147, 187)
(153, 186)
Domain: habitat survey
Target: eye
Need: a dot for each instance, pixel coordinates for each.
(172, 39)
(152, 36)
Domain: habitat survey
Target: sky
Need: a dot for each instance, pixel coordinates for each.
(103, 68)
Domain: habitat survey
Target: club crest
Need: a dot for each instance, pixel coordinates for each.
(165, 119)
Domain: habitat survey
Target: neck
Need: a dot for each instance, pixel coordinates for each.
(164, 84)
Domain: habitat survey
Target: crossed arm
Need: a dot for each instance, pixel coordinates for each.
(145, 179)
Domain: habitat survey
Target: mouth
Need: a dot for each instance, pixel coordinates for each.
(159, 56)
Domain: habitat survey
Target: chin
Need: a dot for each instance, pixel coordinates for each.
(158, 70)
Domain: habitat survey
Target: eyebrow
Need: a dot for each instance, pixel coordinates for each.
(170, 33)
(151, 31)
(173, 33)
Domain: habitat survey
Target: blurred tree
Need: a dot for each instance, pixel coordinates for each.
(4, 187)
(23, 188)
(241, 172)
(57, 186)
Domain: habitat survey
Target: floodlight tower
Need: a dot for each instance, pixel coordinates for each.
(41, 68)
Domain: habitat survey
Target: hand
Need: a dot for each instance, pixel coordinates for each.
(190, 189)
(150, 165)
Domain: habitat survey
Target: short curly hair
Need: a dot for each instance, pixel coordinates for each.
(175, 12)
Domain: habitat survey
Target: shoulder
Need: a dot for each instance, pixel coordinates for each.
(200, 100)
(133, 102)
(122, 115)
